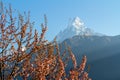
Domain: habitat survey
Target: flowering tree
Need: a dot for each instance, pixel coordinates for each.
(25, 54)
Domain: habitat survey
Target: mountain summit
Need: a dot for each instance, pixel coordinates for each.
(75, 27)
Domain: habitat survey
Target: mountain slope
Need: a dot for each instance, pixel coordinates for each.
(106, 68)
(97, 46)
(103, 53)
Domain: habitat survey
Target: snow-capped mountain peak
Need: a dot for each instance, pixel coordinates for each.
(75, 27)
(77, 23)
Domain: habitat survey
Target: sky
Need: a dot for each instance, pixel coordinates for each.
(102, 16)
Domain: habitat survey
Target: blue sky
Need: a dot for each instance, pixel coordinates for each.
(102, 16)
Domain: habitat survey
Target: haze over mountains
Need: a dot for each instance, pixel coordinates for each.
(103, 52)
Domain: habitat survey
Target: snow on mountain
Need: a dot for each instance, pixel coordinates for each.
(75, 27)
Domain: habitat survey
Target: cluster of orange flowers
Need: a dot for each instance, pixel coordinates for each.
(38, 59)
